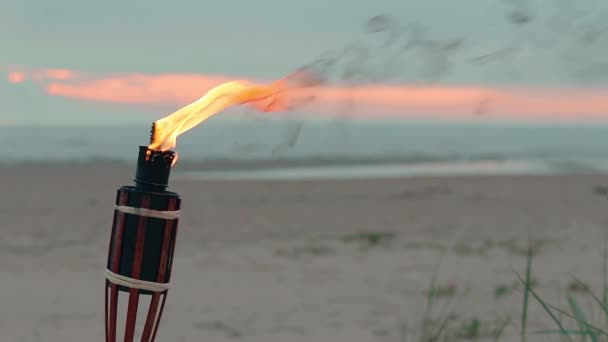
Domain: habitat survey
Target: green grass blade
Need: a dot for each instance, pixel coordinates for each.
(544, 305)
(501, 329)
(595, 297)
(599, 302)
(569, 315)
(440, 330)
(445, 312)
(581, 320)
(555, 331)
(524, 313)
(605, 276)
(431, 296)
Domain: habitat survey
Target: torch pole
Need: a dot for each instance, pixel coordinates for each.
(142, 243)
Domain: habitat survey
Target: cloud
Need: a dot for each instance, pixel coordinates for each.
(59, 74)
(377, 100)
(16, 77)
(135, 88)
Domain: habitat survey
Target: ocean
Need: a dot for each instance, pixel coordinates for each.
(273, 149)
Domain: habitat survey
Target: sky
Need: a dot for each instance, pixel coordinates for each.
(115, 62)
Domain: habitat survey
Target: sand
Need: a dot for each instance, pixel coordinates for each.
(303, 261)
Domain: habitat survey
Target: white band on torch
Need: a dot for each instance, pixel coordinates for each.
(167, 215)
(136, 283)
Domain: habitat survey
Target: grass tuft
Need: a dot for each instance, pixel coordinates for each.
(370, 239)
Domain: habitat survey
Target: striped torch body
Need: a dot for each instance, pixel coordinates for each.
(140, 254)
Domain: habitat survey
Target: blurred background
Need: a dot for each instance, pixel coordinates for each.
(468, 142)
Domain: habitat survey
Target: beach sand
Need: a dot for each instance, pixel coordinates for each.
(303, 260)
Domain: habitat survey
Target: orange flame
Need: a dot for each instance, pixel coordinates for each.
(266, 98)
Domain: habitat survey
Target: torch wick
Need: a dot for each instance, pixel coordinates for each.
(152, 132)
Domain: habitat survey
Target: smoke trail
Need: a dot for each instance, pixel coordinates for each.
(386, 52)
(558, 40)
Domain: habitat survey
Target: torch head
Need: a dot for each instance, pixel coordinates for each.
(153, 169)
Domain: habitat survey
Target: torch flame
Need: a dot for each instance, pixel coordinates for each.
(266, 98)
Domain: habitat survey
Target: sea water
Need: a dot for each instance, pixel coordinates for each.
(331, 148)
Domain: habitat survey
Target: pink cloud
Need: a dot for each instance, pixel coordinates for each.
(16, 77)
(402, 101)
(138, 88)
